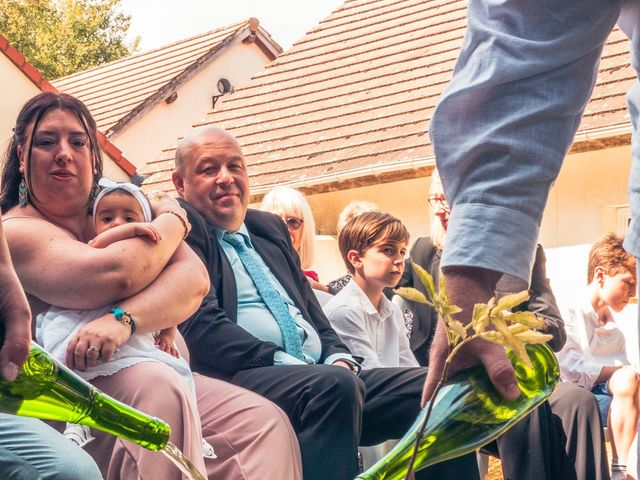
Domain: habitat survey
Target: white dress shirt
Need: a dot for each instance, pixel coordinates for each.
(589, 346)
(379, 337)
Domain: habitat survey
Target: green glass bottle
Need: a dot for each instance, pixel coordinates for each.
(48, 390)
(468, 413)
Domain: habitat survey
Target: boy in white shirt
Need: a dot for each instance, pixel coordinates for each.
(594, 355)
(373, 246)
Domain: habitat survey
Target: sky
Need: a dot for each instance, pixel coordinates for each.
(163, 22)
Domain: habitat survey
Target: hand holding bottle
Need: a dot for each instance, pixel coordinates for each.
(15, 316)
(468, 286)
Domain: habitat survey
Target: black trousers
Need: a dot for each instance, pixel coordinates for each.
(575, 409)
(333, 411)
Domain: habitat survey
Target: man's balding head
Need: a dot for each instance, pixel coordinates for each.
(211, 175)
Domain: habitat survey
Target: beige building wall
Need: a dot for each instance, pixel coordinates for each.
(588, 199)
(144, 139)
(589, 195)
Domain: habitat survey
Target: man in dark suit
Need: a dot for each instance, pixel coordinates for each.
(236, 336)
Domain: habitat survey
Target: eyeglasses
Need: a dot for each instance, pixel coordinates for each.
(437, 200)
(294, 223)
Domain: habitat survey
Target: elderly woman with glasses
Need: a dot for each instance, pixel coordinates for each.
(290, 205)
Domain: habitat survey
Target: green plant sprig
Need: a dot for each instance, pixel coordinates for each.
(493, 321)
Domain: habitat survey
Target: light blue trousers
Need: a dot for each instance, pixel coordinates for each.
(32, 450)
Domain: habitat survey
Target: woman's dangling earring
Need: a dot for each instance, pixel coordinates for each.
(23, 194)
(95, 190)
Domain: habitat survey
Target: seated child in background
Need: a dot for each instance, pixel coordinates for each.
(120, 211)
(373, 246)
(594, 355)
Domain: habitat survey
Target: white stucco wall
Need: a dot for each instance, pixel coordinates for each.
(582, 204)
(18, 89)
(144, 139)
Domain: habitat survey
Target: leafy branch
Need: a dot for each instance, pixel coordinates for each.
(493, 321)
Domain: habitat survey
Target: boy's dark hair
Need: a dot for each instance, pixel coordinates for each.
(609, 254)
(361, 232)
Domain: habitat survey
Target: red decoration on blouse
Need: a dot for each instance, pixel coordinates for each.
(312, 275)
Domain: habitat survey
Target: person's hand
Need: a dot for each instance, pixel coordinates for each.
(318, 286)
(161, 202)
(167, 345)
(468, 286)
(143, 229)
(343, 364)
(15, 315)
(97, 340)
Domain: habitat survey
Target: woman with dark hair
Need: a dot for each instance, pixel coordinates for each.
(48, 182)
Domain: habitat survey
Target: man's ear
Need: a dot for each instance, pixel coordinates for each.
(354, 258)
(599, 274)
(178, 182)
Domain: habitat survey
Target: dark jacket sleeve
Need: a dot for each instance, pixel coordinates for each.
(543, 301)
(218, 346)
(424, 253)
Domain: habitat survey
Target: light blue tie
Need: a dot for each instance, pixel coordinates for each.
(270, 295)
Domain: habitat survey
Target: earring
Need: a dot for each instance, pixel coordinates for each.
(92, 196)
(23, 194)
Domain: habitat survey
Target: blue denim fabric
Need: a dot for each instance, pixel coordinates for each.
(601, 392)
(506, 121)
(32, 450)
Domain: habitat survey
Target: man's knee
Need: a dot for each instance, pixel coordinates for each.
(337, 384)
(569, 397)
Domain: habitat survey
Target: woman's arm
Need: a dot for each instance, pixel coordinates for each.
(15, 317)
(172, 298)
(60, 270)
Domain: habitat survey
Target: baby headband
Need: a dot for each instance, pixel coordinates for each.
(109, 186)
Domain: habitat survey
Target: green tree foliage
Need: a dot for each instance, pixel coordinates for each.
(60, 37)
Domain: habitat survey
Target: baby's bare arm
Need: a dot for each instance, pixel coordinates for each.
(124, 231)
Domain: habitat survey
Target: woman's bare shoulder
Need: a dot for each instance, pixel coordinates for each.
(18, 224)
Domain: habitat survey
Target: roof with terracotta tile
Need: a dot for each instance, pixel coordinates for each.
(349, 104)
(119, 91)
(34, 75)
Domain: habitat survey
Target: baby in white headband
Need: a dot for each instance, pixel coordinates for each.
(121, 211)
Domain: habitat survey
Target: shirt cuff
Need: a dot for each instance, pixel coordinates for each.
(345, 357)
(283, 358)
(490, 237)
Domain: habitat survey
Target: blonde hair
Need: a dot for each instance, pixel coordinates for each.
(437, 232)
(289, 201)
(353, 209)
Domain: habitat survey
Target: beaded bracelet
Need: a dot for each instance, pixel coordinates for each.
(125, 318)
(185, 224)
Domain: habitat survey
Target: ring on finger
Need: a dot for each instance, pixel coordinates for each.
(92, 349)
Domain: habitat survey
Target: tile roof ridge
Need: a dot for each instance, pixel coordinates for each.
(234, 27)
